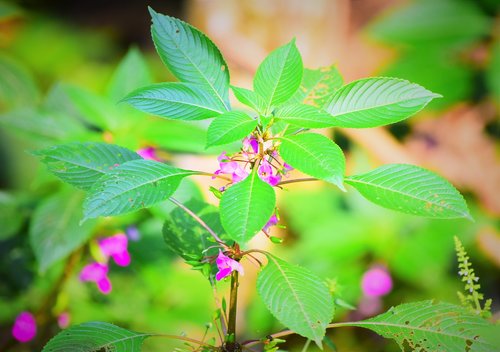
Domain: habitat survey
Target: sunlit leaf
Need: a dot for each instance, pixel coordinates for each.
(305, 116)
(191, 56)
(249, 98)
(229, 127)
(377, 101)
(411, 189)
(131, 186)
(296, 297)
(96, 336)
(246, 207)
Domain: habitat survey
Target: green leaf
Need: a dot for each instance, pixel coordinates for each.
(305, 116)
(11, 215)
(427, 326)
(278, 77)
(185, 236)
(191, 56)
(317, 86)
(296, 297)
(229, 127)
(82, 164)
(132, 72)
(246, 207)
(249, 98)
(96, 336)
(493, 71)
(411, 189)
(315, 155)
(18, 87)
(175, 100)
(133, 185)
(54, 230)
(424, 22)
(377, 101)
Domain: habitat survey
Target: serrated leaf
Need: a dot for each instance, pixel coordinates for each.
(191, 56)
(132, 72)
(96, 336)
(175, 100)
(278, 77)
(82, 164)
(428, 327)
(246, 207)
(305, 116)
(296, 297)
(54, 230)
(317, 86)
(249, 98)
(131, 186)
(377, 101)
(229, 127)
(411, 189)
(315, 155)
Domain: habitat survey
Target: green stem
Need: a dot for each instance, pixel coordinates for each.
(306, 345)
(308, 179)
(233, 300)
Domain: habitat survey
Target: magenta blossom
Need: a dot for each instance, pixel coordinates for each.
(97, 273)
(148, 153)
(116, 247)
(63, 320)
(266, 173)
(24, 328)
(272, 222)
(376, 282)
(251, 144)
(229, 167)
(226, 266)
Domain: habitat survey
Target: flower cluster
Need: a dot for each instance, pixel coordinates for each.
(114, 247)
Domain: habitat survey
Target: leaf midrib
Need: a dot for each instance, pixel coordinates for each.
(283, 64)
(180, 102)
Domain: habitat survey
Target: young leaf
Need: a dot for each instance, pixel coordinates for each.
(278, 76)
(131, 186)
(229, 127)
(296, 297)
(411, 189)
(96, 336)
(305, 116)
(315, 155)
(249, 98)
(377, 101)
(82, 164)
(54, 231)
(428, 326)
(246, 207)
(175, 100)
(191, 56)
(317, 86)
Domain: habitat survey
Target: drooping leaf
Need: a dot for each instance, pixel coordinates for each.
(315, 155)
(317, 86)
(249, 98)
(191, 56)
(246, 207)
(54, 229)
(411, 189)
(229, 127)
(175, 100)
(296, 297)
(305, 116)
(278, 77)
(131, 186)
(82, 164)
(377, 101)
(96, 336)
(131, 73)
(426, 326)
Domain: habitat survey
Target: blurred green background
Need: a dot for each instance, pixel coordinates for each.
(65, 65)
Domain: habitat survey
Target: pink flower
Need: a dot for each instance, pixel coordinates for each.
(116, 247)
(376, 282)
(272, 221)
(24, 328)
(63, 320)
(266, 173)
(148, 153)
(226, 266)
(229, 167)
(251, 144)
(97, 273)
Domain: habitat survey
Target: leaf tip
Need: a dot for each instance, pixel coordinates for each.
(152, 12)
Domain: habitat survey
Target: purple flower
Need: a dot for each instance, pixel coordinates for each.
(116, 247)
(286, 168)
(24, 328)
(63, 320)
(272, 221)
(148, 153)
(133, 233)
(376, 282)
(226, 266)
(97, 273)
(266, 173)
(251, 144)
(229, 167)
